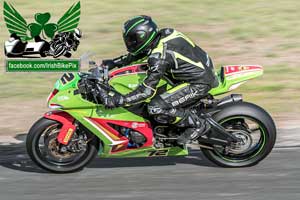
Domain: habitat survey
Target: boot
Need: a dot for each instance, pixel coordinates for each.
(196, 127)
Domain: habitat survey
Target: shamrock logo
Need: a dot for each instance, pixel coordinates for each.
(41, 25)
(17, 24)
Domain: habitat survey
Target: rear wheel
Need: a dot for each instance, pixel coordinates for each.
(256, 131)
(44, 149)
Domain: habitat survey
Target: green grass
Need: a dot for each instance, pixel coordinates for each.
(262, 32)
(26, 85)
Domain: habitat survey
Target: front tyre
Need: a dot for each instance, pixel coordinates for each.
(253, 125)
(47, 153)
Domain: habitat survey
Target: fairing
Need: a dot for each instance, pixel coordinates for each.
(232, 76)
(68, 127)
(127, 79)
(99, 120)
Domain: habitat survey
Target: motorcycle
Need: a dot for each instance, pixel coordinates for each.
(78, 127)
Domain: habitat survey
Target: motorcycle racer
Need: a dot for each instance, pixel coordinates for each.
(172, 55)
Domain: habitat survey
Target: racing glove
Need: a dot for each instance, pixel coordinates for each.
(110, 99)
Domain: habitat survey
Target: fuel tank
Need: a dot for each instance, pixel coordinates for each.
(127, 79)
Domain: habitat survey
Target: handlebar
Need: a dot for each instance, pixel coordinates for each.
(97, 76)
(98, 72)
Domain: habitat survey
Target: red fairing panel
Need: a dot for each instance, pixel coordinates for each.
(237, 69)
(120, 140)
(67, 129)
(127, 70)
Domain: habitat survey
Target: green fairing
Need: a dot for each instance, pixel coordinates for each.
(145, 152)
(129, 82)
(228, 82)
(80, 108)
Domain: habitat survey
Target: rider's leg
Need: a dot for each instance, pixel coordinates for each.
(195, 127)
(170, 105)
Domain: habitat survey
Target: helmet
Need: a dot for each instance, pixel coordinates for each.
(77, 34)
(139, 33)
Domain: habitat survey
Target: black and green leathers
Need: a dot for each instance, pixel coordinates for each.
(175, 57)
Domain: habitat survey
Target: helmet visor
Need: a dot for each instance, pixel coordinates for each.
(134, 41)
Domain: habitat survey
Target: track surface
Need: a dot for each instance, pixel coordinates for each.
(192, 177)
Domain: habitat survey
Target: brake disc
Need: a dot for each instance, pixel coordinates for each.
(243, 145)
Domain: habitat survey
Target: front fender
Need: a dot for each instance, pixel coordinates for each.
(68, 127)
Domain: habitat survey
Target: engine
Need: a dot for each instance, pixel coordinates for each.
(164, 136)
(136, 139)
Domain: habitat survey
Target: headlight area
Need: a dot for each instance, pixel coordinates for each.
(53, 105)
(52, 94)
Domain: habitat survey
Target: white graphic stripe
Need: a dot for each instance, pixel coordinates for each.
(243, 72)
(113, 142)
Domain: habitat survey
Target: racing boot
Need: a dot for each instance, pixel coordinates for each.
(196, 127)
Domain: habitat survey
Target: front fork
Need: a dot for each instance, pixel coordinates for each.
(68, 127)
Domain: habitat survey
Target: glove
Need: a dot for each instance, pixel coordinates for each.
(109, 63)
(110, 99)
(113, 100)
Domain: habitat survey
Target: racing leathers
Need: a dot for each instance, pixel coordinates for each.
(176, 58)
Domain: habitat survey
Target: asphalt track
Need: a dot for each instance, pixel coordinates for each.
(192, 177)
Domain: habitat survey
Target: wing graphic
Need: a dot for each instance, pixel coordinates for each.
(70, 20)
(14, 21)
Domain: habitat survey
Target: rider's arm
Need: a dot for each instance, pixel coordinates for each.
(121, 61)
(157, 67)
(117, 62)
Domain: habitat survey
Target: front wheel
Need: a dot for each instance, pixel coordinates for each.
(256, 130)
(44, 149)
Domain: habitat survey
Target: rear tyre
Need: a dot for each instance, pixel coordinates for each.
(249, 122)
(42, 148)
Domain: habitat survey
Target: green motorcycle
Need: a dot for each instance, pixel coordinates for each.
(78, 127)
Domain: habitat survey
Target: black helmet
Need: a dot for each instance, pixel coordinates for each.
(139, 33)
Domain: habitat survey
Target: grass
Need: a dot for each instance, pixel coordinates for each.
(262, 32)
